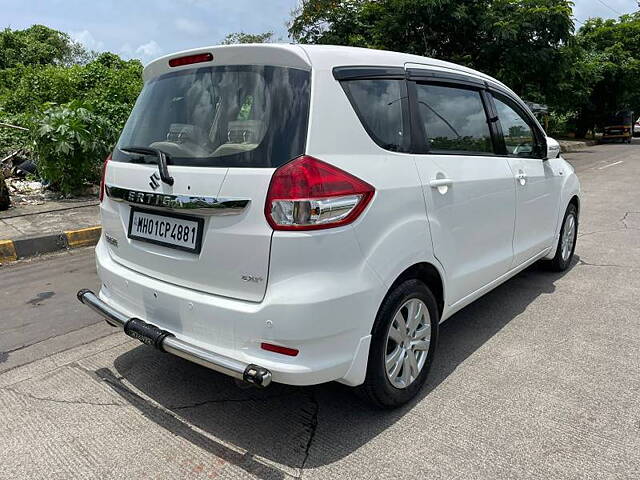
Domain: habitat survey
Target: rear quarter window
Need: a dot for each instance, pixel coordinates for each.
(379, 104)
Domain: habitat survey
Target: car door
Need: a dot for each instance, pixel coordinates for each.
(535, 181)
(468, 188)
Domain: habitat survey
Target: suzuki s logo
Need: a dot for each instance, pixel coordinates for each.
(155, 181)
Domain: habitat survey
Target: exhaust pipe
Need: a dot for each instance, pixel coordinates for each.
(165, 341)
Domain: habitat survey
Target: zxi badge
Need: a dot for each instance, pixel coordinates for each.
(251, 278)
(155, 181)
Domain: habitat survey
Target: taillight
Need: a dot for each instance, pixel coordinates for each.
(104, 173)
(190, 59)
(309, 194)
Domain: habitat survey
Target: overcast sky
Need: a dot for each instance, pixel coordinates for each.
(146, 29)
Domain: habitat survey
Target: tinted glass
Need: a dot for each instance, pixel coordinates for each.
(454, 119)
(518, 134)
(379, 106)
(231, 116)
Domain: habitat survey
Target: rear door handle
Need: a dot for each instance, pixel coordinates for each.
(441, 182)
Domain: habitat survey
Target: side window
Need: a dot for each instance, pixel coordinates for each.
(454, 119)
(379, 105)
(518, 134)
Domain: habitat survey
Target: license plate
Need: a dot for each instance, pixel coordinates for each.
(170, 230)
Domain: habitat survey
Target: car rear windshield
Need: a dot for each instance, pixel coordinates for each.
(227, 116)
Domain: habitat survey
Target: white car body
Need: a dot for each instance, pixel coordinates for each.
(484, 219)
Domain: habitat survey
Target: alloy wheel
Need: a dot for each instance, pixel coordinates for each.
(568, 236)
(407, 345)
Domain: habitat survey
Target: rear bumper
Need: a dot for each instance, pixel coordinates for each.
(330, 326)
(166, 342)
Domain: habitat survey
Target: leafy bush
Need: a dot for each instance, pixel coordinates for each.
(10, 138)
(70, 142)
(26, 89)
(110, 85)
(561, 124)
(72, 109)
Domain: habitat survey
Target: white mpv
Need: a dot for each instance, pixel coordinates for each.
(304, 214)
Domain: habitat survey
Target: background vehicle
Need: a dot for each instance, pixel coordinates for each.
(619, 126)
(305, 214)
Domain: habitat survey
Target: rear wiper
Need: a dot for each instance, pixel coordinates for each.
(159, 154)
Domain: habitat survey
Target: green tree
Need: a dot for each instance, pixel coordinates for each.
(39, 45)
(242, 37)
(73, 101)
(108, 84)
(523, 43)
(518, 41)
(40, 67)
(610, 51)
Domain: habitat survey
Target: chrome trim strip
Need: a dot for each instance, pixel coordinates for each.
(175, 346)
(199, 205)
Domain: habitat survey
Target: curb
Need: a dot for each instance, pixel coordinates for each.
(12, 250)
(576, 146)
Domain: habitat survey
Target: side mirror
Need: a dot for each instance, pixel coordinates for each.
(553, 149)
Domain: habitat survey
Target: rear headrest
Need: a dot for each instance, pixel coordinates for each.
(181, 132)
(245, 131)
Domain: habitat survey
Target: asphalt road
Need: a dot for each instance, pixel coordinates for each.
(538, 379)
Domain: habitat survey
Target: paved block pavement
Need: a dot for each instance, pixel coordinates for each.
(30, 230)
(53, 216)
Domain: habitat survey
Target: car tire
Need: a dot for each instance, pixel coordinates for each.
(390, 389)
(567, 240)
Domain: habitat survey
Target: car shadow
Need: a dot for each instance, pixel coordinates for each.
(279, 424)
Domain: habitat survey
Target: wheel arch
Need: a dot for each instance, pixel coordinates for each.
(428, 274)
(575, 200)
(570, 195)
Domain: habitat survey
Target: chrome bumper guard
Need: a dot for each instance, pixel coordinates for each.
(165, 341)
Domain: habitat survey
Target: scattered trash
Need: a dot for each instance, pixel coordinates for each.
(28, 192)
(28, 167)
(15, 160)
(19, 184)
(17, 172)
